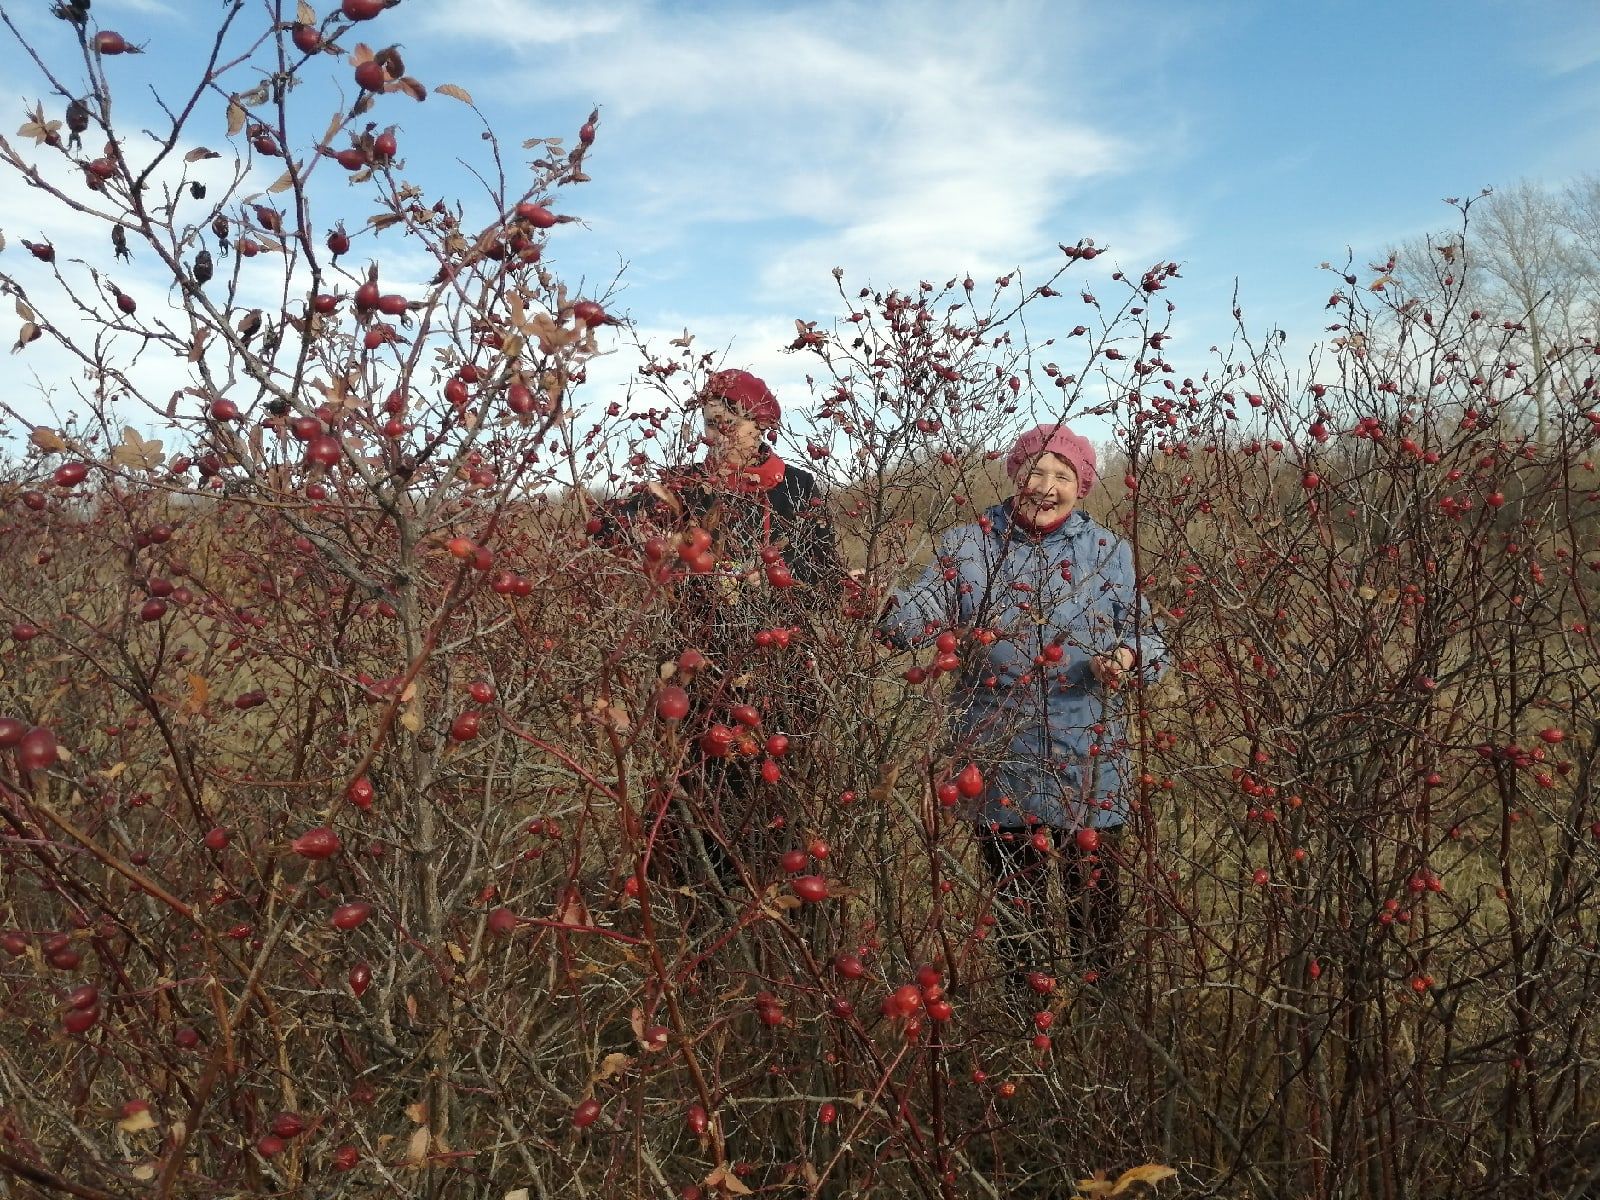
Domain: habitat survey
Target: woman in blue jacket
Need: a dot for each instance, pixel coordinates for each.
(1037, 700)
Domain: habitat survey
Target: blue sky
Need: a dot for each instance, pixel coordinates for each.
(746, 149)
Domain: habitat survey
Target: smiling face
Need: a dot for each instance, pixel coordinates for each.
(1049, 492)
(734, 438)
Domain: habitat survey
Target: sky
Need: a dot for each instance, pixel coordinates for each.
(747, 149)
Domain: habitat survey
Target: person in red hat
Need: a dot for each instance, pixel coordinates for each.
(748, 498)
(771, 560)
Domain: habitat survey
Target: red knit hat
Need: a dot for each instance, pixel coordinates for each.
(747, 393)
(1052, 439)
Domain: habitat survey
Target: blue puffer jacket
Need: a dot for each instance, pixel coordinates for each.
(1052, 746)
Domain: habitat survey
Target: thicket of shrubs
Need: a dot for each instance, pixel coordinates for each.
(349, 851)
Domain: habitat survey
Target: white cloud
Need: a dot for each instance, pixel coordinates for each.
(524, 24)
(899, 142)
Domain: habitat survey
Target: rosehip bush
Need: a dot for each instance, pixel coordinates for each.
(376, 814)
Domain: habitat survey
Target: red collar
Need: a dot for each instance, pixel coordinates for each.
(1036, 529)
(762, 477)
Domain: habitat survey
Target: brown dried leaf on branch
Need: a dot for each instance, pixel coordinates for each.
(37, 128)
(137, 1121)
(612, 1065)
(454, 92)
(47, 439)
(136, 453)
(1149, 1174)
(722, 1179)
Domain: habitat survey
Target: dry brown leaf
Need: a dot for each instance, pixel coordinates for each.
(454, 92)
(612, 1065)
(304, 13)
(46, 439)
(199, 693)
(236, 117)
(24, 311)
(571, 910)
(417, 1113)
(144, 1172)
(114, 771)
(137, 1121)
(39, 131)
(28, 333)
(411, 721)
(283, 184)
(197, 348)
(136, 453)
(417, 1147)
(725, 1180)
(516, 1194)
(1149, 1173)
(410, 87)
(200, 154)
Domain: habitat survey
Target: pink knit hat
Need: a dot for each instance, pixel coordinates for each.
(1054, 438)
(747, 393)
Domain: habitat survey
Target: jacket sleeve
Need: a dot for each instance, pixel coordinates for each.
(1136, 628)
(917, 614)
(815, 548)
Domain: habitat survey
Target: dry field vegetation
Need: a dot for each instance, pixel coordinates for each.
(348, 852)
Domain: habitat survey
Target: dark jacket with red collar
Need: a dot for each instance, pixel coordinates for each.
(773, 504)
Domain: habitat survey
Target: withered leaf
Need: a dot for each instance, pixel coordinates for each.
(1149, 1173)
(454, 92)
(135, 453)
(137, 1121)
(236, 117)
(283, 184)
(410, 87)
(417, 1147)
(28, 333)
(723, 1180)
(612, 1065)
(39, 131)
(46, 439)
(200, 154)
